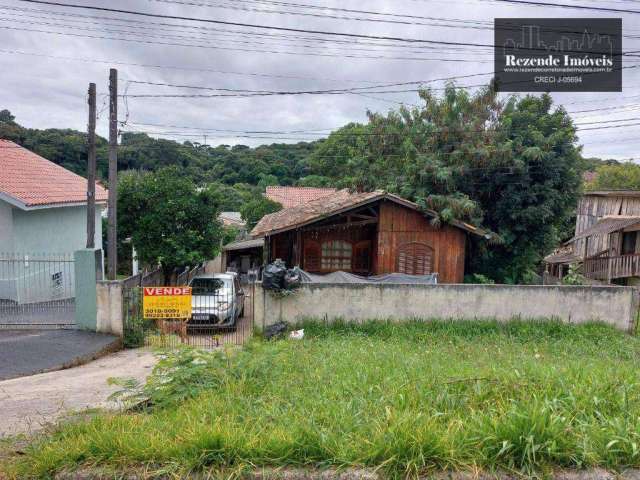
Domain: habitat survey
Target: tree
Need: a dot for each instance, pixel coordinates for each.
(170, 221)
(265, 181)
(257, 208)
(511, 167)
(623, 176)
(530, 203)
(6, 117)
(317, 181)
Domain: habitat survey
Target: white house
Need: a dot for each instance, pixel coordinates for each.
(43, 219)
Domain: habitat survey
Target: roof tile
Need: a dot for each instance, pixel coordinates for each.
(293, 196)
(35, 181)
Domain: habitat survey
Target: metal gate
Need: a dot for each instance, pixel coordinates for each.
(220, 316)
(36, 291)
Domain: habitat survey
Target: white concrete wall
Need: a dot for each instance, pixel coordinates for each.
(54, 230)
(109, 316)
(616, 306)
(6, 227)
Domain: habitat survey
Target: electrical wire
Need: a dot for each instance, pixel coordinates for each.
(272, 27)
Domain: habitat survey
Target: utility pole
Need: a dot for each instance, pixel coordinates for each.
(112, 232)
(91, 169)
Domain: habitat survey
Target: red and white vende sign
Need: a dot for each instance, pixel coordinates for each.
(157, 291)
(166, 302)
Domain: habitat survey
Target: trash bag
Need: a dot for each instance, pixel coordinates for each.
(275, 330)
(292, 279)
(297, 334)
(273, 275)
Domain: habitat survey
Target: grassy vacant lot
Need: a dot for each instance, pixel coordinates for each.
(408, 398)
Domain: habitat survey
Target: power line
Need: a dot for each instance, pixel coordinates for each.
(379, 57)
(325, 8)
(286, 37)
(172, 25)
(430, 132)
(567, 5)
(232, 35)
(462, 23)
(286, 77)
(267, 27)
(299, 92)
(195, 69)
(248, 25)
(242, 93)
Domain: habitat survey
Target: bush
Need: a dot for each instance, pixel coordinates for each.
(478, 278)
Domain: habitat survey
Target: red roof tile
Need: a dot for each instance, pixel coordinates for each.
(293, 196)
(32, 180)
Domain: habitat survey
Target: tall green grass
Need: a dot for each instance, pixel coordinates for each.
(408, 398)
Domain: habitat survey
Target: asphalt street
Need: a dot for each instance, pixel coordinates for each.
(27, 352)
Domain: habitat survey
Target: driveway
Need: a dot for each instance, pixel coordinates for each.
(31, 403)
(27, 352)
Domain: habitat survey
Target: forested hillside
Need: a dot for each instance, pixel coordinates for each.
(276, 164)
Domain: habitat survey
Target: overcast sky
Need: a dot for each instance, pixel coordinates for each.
(43, 91)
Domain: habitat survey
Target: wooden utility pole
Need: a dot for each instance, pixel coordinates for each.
(112, 232)
(91, 169)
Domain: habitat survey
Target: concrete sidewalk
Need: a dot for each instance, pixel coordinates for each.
(30, 403)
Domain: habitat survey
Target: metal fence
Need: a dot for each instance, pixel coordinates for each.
(221, 315)
(36, 290)
(156, 277)
(144, 279)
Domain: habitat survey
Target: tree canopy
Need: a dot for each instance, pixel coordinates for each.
(170, 221)
(255, 209)
(512, 167)
(618, 176)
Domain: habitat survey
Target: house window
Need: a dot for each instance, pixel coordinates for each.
(336, 255)
(415, 259)
(629, 243)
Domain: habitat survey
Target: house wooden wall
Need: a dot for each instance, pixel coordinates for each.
(358, 237)
(400, 225)
(592, 208)
(398, 228)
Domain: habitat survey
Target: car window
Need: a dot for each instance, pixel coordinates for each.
(209, 286)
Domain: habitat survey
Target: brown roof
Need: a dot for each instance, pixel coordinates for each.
(607, 225)
(562, 255)
(29, 180)
(293, 196)
(613, 193)
(244, 244)
(231, 218)
(340, 201)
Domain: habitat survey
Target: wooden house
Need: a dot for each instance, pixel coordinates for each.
(367, 234)
(606, 242)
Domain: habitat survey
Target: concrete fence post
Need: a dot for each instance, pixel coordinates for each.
(109, 308)
(85, 269)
